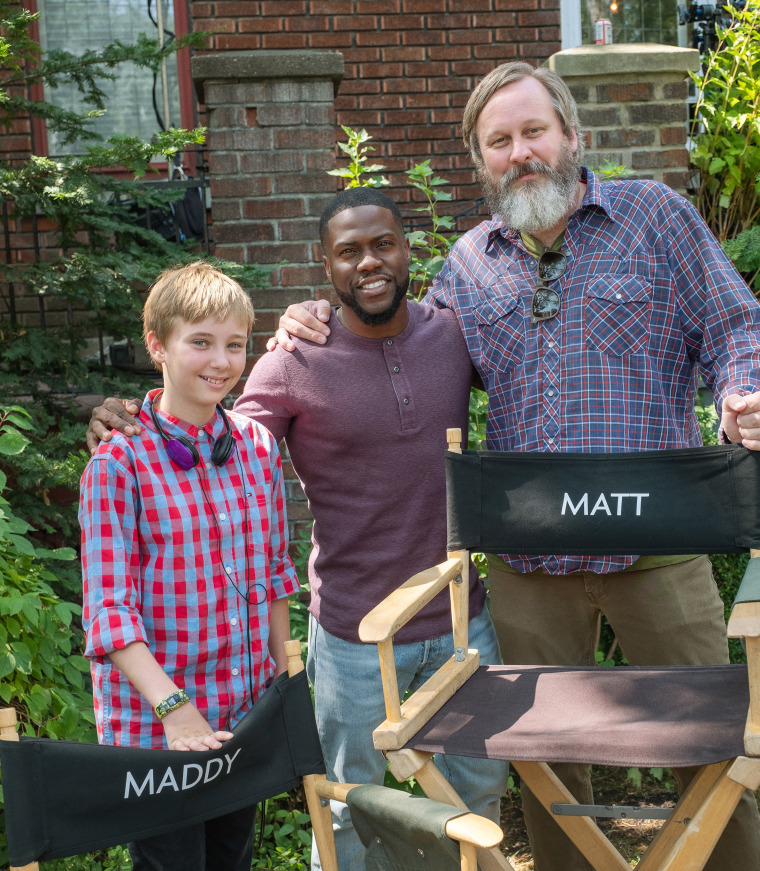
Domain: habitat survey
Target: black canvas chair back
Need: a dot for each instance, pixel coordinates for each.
(694, 500)
(64, 798)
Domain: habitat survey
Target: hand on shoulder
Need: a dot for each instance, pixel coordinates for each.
(305, 320)
(113, 414)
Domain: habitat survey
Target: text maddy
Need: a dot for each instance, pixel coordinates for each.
(189, 775)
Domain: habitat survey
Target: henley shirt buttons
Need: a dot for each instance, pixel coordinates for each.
(389, 341)
(396, 368)
(406, 401)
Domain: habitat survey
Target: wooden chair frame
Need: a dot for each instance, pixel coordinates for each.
(685, 841)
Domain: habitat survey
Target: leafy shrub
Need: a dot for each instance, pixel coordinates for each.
(744, 252)
(726, 127)
(286, 836)
(42, 670)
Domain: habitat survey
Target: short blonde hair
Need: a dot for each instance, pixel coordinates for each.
(506, 74)
(193, 293)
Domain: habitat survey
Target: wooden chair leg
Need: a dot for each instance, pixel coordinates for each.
(8, 733)
(582, 831)
(321, 822)
(701, 816)
(688, 805)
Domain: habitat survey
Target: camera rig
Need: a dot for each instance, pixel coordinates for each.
(705, 16)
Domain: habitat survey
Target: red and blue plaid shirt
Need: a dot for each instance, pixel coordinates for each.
(648, 302)
(169, 557)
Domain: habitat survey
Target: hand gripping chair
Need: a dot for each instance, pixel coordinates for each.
(64, 798)
(707, 717)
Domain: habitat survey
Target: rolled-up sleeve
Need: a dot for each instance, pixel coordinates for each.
(282, 575)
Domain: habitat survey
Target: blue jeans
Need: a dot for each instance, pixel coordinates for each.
(349, 704)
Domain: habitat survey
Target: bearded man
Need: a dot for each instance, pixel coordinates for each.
(590, 311)
(598, 347)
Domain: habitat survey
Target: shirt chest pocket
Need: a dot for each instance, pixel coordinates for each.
(501, 331)
(617, 312)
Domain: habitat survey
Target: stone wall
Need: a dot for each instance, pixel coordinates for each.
(632, 102)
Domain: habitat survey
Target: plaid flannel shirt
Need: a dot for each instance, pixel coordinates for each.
(648, 302)
(164, 561)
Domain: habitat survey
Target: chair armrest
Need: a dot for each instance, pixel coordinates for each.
(744, 621)
(386, 618)
(473, 829)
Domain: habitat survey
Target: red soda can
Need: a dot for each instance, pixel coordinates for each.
(603, 32)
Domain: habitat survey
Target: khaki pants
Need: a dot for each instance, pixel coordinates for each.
(670, 615)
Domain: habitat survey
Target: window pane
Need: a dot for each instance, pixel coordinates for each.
(79, 25)
(634, 21)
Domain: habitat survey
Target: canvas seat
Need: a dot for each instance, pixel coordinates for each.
(706, 717)
(64, 798)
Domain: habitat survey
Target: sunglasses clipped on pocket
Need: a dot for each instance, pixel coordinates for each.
(546, 301)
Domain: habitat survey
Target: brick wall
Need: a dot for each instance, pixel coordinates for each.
(410, 66)
(271, 138)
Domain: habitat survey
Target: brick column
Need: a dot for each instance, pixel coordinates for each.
(632, 102)
(271, 138)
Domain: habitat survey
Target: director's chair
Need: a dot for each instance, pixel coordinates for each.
(708, 717)
(64, 798)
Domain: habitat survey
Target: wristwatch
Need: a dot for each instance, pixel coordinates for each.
(171, 703)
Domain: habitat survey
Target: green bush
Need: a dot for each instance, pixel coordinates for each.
(726, 128)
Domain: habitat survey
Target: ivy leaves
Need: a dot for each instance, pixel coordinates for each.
(42, 671)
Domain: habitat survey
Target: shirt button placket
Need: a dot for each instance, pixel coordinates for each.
(551, 394)
(401, 386)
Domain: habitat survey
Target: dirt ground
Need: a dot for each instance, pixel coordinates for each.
(611, 786)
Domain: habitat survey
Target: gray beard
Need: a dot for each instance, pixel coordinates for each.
(538, 205)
